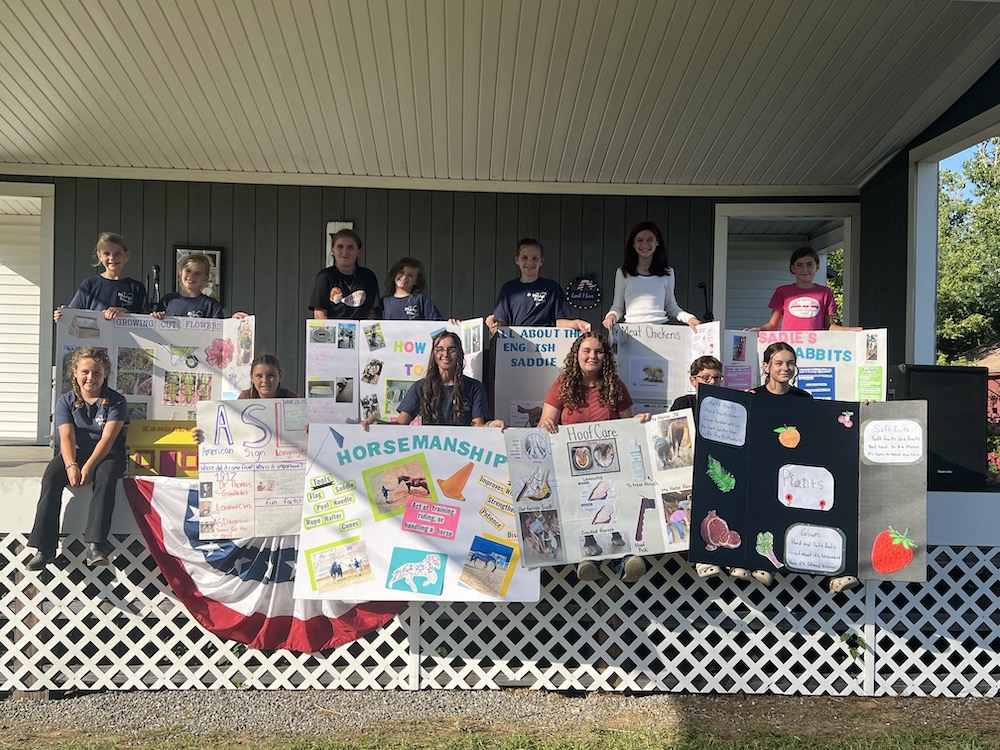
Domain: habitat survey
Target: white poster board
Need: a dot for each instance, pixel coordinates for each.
(251, 467)
(356, 369)
(162, 367)
(602, 490)
(838, 365)
(528, 360)
(654, 360)
(409, 513)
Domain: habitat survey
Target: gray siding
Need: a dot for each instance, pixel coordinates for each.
(274, 238)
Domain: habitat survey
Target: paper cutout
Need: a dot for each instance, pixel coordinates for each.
(892, 551)
(722, 478)
(806, 487)
(765, 548)
(454, 485)
(815, 549)
(892, 441)
(716, 533)
(789, 437)
(723, 421)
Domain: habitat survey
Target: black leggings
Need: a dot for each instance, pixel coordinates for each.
(45, 532)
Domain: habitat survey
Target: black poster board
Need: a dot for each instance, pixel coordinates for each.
(801, 485)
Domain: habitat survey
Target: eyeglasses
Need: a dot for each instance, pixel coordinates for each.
(452, 350)
(709, 378)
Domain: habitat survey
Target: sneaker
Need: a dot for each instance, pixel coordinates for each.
(587, 570)
(741, 573)
(631, 568)
(707, 570)
(42, 559)
(843, 583)
(96, 555)
(763, 576)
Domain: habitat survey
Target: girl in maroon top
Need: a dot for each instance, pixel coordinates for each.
(589, 390)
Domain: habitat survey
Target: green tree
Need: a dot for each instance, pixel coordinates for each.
(835, 263)
(968, 296)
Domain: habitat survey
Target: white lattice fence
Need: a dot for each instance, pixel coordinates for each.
(121, 628)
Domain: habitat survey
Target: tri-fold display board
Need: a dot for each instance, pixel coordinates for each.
(810, 486)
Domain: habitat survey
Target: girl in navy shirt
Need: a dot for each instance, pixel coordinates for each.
(90, 421)
(404, 293)
(112, 291)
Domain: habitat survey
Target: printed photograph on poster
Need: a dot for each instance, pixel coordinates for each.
(374, 337)
(488, 567)
(648, 372)
(677, 516)
(345, 390)
(542, 538)
(391, 485)
(525, 413)
(345, 335)
(672, 443)
(473, 339)
(369, 407)
(321, 389)
(213, 285)
(372, 371)
(395, 391)
(739, 348)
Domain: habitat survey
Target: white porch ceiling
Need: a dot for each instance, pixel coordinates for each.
(615, 96)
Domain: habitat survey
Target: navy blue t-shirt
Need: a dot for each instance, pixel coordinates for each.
(411, 307)
(99, 293)
(89, 419)
(540, 303)
(473, 401)
(201, 306)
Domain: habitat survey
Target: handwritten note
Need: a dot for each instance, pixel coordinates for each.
(892, 441)
(806, 487)
(252, 467)
(723, 421)
(815, 549)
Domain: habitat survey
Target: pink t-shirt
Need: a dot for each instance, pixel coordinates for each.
(804, 309)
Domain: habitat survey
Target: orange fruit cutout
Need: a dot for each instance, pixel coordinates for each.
(789, 436)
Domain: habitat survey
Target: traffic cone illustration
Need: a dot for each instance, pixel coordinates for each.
(453, 485)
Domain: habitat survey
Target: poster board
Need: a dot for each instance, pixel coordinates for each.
(654, 360)
(841, 365)
(409, 513)
(356, 369)
(252, 467)
(602, 490)
(162, 367)
(804, 485)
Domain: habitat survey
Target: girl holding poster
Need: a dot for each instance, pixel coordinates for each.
(445, 396)
(644, 285)
(111, 291)
(589, 390)
(779, 372)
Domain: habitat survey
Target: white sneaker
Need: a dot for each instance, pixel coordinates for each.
(843, 583)
(763, 576)
(742, 573)
(707, 570)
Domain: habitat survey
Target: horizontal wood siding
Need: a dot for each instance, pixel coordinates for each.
(20, 287)
(274, 241)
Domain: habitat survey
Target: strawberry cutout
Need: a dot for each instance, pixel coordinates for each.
(892, 551)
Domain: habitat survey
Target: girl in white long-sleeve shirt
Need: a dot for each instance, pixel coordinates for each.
(644, 285)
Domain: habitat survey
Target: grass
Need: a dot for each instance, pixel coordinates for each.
(685, 739)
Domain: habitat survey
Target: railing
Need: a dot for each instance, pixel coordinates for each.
(121, 628)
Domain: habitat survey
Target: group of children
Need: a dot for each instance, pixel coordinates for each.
(90, 420)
